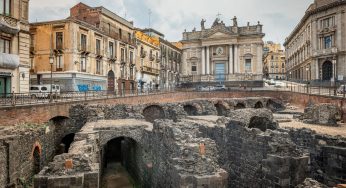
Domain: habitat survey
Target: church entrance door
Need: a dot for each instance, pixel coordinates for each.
(220, 72)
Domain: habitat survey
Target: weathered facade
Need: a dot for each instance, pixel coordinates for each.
(315, 50)
(223, 53)
(274, 61)
(93, 49)
(14, 47)
(147, 61)
(170, 64)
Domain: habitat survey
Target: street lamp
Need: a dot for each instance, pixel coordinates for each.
(51, 61)
(307, 79)
(334, 74)
(291, 79)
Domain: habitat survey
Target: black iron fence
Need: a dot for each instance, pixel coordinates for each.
(22, 99)
(32, 98)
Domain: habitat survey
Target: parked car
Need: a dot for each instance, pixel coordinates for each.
(220, 88)
(43, 91)
(271, 82)
(279, 84)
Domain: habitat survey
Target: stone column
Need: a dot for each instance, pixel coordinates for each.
(208, 61)
(230, 64)
(236, 59)
(317, 69)
(203, 61)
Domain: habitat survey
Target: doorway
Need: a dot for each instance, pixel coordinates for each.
(111, 81)
(327, 71)
(220, 72)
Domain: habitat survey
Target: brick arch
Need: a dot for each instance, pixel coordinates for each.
(36, 145)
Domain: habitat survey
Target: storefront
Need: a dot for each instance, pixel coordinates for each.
(5, 84)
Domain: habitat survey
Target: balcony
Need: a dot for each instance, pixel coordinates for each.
(143, 54)
(329, 51)
(84, 48)
(99, 53)
(150, 70)
(9, 61)
(9, 25)
(151, 57)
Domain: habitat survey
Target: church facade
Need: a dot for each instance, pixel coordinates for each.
(223, 54)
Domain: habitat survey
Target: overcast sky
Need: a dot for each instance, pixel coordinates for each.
(171, 17)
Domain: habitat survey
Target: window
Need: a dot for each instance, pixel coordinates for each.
(120, 34)
(59, 64)
(194, 68)
(129, 37)
(327, 22)
(5, 7)
(5, 46)
(327, 42)
(122, 55)
(283, 65)
(44, 88)
(83, 64)
(111, 50)
(98, 66)
(131, 57)
(248, 65)
(59, 38)
(83, 41)
(98, 46)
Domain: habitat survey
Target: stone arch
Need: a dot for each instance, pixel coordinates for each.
(153, 112)
(121, 153)
(327, 71)
(261, 123)
(274, 105)
(258, 105)
(58, 120)
(191, 110)
(65, 143)
(222, 108)
(239, 105)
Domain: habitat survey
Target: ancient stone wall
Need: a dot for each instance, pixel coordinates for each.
(257, 158)
(17, 147)
(327, 155)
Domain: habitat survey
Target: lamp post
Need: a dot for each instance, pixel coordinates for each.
(307, 79)
(51, 61)
(291, 79)
(334, 75)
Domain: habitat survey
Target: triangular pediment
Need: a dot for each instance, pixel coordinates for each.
(218, 34)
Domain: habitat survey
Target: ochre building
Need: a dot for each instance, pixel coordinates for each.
(274, 65)
(93, 49)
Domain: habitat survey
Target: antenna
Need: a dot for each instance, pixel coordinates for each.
(219, 15)
(149, 13)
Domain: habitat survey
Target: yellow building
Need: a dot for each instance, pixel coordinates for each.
(274, 61)
(93, 49)
(147, 61)
(14, 46)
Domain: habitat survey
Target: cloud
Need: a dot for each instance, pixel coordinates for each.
(171, 17)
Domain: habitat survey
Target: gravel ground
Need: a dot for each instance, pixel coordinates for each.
(333, 131)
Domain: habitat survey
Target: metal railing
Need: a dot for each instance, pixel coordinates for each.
(23, 99)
